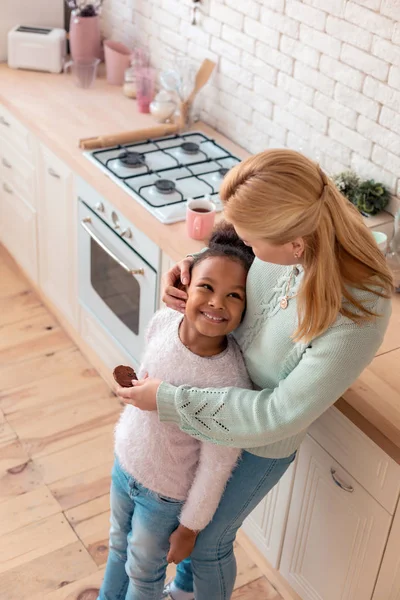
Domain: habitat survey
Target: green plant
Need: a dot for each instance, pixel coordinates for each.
(371, 197)
(347, 183)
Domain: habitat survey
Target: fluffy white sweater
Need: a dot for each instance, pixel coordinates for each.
(160, 456)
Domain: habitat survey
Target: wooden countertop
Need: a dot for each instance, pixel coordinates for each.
(59, 114)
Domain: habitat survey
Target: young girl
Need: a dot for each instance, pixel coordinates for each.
(166, 485)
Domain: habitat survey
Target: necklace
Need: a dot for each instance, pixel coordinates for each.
(284, 303)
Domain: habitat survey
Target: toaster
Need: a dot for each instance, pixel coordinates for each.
(36, 48)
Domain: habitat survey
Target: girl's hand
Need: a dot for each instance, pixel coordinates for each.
(173, 296)
(143, 394)
(182, 542)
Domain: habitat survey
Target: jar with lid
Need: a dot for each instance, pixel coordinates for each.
(129, 87)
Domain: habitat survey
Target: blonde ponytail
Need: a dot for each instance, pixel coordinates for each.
(280, 195)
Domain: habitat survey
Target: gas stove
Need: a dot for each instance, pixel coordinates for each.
(163, 174)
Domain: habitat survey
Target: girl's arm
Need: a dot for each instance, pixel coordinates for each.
(243, 418)
(214, 469)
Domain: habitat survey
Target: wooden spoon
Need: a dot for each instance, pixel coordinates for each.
(202, 76)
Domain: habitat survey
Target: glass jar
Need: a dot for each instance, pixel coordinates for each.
(129, 87)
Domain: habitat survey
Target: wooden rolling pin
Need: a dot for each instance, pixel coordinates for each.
(126, 137)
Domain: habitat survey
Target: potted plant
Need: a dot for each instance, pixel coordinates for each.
(84, 29)
(370, 197)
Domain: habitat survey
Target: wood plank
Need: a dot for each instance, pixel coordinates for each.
(83, 512)
(18, 307)
(7, 434)
(30, 338)
(84, 589)
(94, 534)
(36, 539)
(83, 418)
(260, 588)
(82, 487)
(67, 383)
(18, 478)
(35, 370)
(47, 573)
(247, 570)
(27, 508)
(76, 459)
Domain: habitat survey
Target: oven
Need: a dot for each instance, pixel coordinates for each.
(118, 272)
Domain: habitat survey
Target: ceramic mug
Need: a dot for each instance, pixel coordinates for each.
(381, 240)
(200, 217)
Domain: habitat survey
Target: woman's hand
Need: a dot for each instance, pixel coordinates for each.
(143, 394)
(173, 296)
(182, 542)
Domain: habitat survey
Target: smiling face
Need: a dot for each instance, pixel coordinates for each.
(216, 296)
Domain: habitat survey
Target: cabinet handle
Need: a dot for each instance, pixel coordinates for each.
(53, 173)
(341, 484)
(6, 163)
(7, 189)
(4, 122)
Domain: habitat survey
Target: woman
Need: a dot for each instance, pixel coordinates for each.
(318, 304)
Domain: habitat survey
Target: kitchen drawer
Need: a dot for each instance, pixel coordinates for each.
(361, 457)
(18, 172)
(13, 131)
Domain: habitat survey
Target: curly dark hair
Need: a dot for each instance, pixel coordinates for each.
(225, 242)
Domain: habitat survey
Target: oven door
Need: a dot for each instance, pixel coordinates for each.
(115, 284)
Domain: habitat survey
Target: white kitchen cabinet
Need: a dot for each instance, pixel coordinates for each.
(388, 584)
(18, 228)
(336, 532)
(57, 215)
(265, 526)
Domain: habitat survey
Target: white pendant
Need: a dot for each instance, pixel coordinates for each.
(283, 303)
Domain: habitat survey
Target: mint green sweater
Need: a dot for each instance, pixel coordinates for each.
(295, 382)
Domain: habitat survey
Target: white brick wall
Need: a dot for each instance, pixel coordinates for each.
(320, 76)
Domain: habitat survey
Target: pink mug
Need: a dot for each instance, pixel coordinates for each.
(200, 217)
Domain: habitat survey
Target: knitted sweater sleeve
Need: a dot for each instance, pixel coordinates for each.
(248, 419)
(214, 469)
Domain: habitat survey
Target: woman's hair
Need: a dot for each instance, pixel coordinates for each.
(280, 195)
(225, 242)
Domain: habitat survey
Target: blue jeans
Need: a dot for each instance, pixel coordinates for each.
(141, 524)
(211, 569)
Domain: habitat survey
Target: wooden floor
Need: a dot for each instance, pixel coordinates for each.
(56, 422)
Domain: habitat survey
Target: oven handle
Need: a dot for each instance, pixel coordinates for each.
(85, 224)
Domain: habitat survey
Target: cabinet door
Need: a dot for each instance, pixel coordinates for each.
(57, 234)
(336, 531)
(388, 584)
(265, 526)
(18, 228)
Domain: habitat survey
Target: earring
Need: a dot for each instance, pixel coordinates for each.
(296, 255)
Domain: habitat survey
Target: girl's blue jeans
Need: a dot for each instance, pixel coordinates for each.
(142, 522)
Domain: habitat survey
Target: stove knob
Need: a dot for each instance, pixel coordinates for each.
(99, 207)
(127, 233)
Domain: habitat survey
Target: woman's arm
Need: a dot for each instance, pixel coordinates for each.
(246, 419)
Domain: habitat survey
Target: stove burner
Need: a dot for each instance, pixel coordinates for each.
(132, 160)
(165, 186)
(223, 171)
(190, 148)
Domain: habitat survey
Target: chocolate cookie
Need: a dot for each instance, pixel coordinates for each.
(124, 375)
